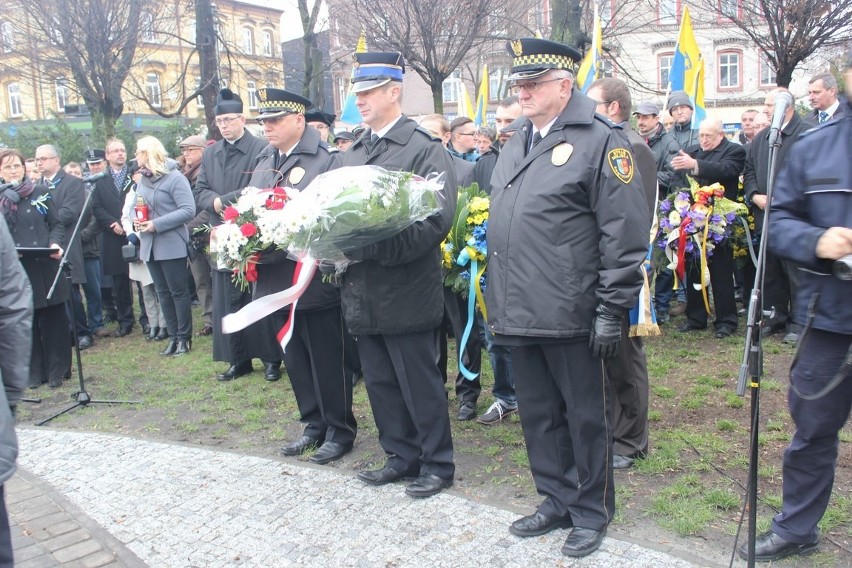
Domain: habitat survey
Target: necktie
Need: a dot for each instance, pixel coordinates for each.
(823, 116)
(535, 140)
(374, 139)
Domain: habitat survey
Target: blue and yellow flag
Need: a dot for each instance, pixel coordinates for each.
(482, 99)
(687, 72)
(465, 104)
(591, 65)
(350, 113)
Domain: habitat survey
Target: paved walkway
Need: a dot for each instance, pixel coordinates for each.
(92, 500)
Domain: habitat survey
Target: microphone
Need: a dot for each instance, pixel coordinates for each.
(94, 177)
(783, 102)
(10, 185)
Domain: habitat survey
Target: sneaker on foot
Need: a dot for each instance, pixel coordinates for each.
(496, 413)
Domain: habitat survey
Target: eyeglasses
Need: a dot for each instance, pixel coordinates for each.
(225, 120)
(43, 158)
(531, 87)
(272, 119)
(189, 149)
(11, 167)
(465, 133)
(598, 103)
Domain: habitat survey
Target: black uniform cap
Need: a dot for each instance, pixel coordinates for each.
(278, 102)
(532, 57)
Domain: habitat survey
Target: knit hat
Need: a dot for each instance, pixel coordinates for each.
(679, 98)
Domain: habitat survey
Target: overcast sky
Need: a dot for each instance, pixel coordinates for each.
(291, 25)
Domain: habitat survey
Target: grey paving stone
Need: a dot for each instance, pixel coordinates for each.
(66, 540)
(76, 551)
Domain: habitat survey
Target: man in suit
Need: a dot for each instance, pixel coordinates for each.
(393, 297)
(822, 94)
(226, 168)
(714, 159)
(108, 201)
(69, 195)
(90, 237)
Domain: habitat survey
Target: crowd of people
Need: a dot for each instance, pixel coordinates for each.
(565, 245)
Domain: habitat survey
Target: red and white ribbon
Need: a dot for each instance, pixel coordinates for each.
(262, 307)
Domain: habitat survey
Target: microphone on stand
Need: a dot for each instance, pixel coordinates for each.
(10, 185)
(91, 178)
(783, 102)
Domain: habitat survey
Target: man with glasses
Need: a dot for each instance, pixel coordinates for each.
(567, 232)
(107, 204)
(226, 169)
(463, 139)
(69, 195)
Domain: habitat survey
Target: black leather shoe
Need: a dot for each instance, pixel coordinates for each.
(621, 462)
(382, 476)
(170, 349)
(467, 410)
(582, 542)
(272, 371)
(162, 335)
(146, 329)
(123, 331)
(300, 446)
(771, 328)
(235, 371)
(770, 547)
(690, 327)
(329, 452)
(723, 331)
(538, 524)
(85, 341)
(184, 346)
(204, 331)
(152, 334)
(427, 485)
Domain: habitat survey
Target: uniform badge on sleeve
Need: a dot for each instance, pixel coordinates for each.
(621, 162)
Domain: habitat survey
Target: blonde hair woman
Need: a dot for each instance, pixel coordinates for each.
(165, 206)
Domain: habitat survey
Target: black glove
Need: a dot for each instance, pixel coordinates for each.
(606, 331)
(12, 195)
(133, 239)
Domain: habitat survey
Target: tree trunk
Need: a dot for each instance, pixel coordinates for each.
(438, 96)
(208, 55)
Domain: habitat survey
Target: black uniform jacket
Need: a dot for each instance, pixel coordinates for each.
(309, 158)
(568, 226)
(107, 202)
(398, 286)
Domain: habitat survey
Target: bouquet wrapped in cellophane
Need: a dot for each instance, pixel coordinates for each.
(350, 208)
(466, 241)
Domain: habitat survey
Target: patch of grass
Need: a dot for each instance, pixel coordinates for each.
(663, 392)
(839, 513)
(732, 400)
(770, 385)
(655, 415)
(710, 381)
(725, 425)
(520, 457)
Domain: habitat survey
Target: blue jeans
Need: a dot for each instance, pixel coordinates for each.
(92, 290)
(501, 365)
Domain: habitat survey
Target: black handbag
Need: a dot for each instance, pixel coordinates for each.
(130, 252)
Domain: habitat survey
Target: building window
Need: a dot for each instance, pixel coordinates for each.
(7, 36)
(497, 83)
(664, 66)
(148, 33)
(730, 9)
(768, 77)
(153, 90)
(268, 43)
(452, 88)
(248, 41)
(667, 11)
(61, 87)
(252, 94)
(14, 91)
(729, 70)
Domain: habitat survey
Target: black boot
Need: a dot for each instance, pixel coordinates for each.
(184, 346)
(152, 333)
(162, 335)
(170, 348)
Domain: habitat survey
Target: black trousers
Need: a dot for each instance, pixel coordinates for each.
(255, 341)
(123, 297)
(811, 457)
(455, 315)
(51, 354)
(721, 267)
(563, 403)
(78, 312)
(409, 401)
(320, 373)
(6, 556)
(169, 278)
(627, 373)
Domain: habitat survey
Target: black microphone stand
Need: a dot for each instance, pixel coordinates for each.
(751, 369)
(80, 397)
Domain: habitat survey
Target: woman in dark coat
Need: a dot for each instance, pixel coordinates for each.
(33, 222)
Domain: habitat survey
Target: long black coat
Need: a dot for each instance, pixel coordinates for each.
(107, 202)
(32, 229)
(398, 287)
(225, 171)
(69, 196)
(309, 158)
(722, 164)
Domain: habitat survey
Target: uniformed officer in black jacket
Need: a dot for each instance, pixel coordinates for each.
(393, 297)
(314, 357)
(567, 233)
